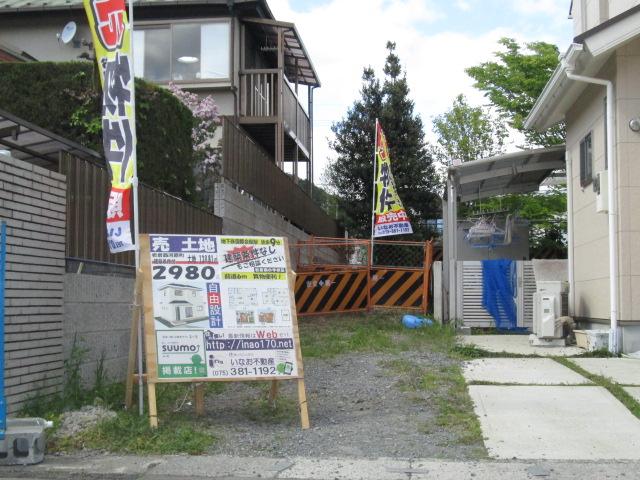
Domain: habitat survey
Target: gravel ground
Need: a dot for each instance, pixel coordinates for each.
(356, 407)
(71, 423)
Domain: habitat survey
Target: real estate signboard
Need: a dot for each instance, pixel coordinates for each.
(219, 308)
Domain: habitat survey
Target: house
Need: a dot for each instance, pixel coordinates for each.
(256, 68)
(595, 91)
(181, 304)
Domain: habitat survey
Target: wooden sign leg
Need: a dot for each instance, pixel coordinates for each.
(273, 393)
(199, 398)
(153, 410)
(302, 405)
(133, 350)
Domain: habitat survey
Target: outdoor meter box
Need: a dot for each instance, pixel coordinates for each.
(602, 191)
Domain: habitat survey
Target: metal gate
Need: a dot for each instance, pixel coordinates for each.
(342, 275)
(470, 286)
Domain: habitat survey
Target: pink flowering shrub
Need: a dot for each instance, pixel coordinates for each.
(207, 153)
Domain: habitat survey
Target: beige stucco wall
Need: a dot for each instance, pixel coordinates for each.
(590, 242)
(588, 14)
(590, 246)
(37, 37)
(628, 144)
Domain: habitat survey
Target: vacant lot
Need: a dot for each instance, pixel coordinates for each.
(374, 389)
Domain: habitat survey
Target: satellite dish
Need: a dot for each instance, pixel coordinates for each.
(68, 32)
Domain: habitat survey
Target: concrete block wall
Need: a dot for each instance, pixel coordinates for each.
(242, 215)
(33, 203)
(97, 312)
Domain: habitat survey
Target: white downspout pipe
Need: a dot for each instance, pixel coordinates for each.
(612, 199)
(570, 256)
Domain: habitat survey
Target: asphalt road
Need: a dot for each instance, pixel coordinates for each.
(220, 467)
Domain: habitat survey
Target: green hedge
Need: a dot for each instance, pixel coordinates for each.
(66, 97)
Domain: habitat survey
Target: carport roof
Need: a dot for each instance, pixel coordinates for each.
(36, 145)
(518, 172)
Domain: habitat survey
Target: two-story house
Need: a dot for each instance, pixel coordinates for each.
(256, 68)
(596, 92)
(181, 304)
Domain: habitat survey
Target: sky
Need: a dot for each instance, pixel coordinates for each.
(435, 40)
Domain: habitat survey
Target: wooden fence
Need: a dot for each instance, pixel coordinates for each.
(247, 165)
(87, 196)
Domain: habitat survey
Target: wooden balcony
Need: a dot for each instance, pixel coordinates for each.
(247, 165)
(273, 114)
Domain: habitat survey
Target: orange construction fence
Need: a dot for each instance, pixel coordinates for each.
(347, 275)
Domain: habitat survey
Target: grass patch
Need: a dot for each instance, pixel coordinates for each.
(616, 390)
(261, 410)
(131, 433)
(470, 352)
(380, 332)
(447, 391)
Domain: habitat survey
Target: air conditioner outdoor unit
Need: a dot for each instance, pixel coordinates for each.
(548, 306)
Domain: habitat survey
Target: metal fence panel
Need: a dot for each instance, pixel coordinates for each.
(337, 276)
(87, 197)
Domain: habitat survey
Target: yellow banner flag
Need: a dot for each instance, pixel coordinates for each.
(390, 217)
(111, 34)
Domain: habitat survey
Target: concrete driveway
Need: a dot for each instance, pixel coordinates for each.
(537, 408)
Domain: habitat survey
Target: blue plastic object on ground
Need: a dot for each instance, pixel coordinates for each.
(498, 292)
(411, 321)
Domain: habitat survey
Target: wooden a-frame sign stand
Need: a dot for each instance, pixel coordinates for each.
(144, 305)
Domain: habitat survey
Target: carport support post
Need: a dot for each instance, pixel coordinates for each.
(452, 229)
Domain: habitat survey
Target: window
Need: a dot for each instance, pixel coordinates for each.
(586, 161)
(182, 52)
(178, 293)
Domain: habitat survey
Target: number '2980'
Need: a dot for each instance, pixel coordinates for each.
(192, 272)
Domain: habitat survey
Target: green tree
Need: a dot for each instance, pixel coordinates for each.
(351, 173)
(467, 133)
(515, 81)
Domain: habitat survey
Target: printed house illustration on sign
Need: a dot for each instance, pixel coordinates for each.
(180, 304)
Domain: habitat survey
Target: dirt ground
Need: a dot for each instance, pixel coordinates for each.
(360, 405)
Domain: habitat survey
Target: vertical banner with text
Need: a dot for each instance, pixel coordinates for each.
(390, 216)
(112, 35)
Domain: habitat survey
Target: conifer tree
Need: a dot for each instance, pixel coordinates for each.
(351, 173)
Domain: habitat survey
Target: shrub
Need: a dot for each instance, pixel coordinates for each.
(65, 98)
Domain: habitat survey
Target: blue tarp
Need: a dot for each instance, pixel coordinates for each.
(499, 292)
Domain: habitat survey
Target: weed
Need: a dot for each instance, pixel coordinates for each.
(471, 352)
(131, 433)
(447, 391)
(616, 390)
(261, 410)
(325, 337)
(73, 394)
(101, 380)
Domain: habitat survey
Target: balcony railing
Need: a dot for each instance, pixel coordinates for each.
(258, 93)
(247, 165)
(295, 118)
(260, 102)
